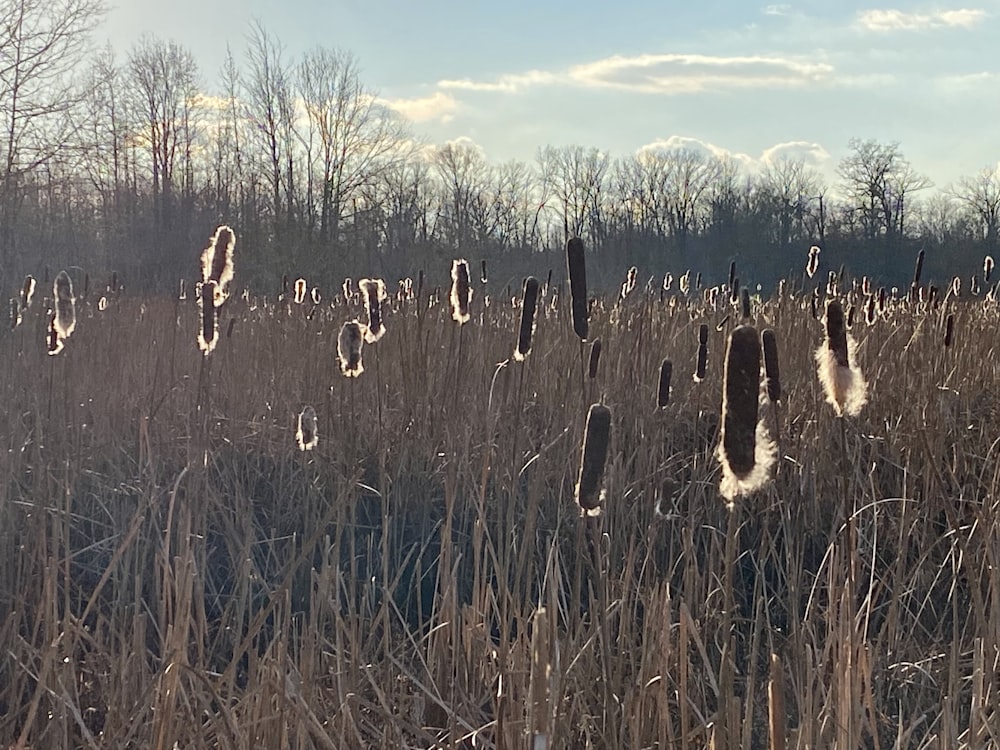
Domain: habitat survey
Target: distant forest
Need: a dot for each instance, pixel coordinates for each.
(128, 165)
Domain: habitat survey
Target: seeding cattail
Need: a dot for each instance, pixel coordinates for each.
(529, 303)
(15, 313)
(832, 286)
(208, 334)
(53, 341)
(597, 435)
(974, 285)
(65, 303)
(746, 451)
(577, 265)
(595, 358)
(349, 344)
(316, 296)
(306, 435)
(102, 304)
(918, 268)
(373, 295)
(182, 294)
(987, 268)
(217, 262)
(745, 303)
(685, 283)
(772, 377)
(668, 281)
(949, 330)
(27, 292)
(866, 286)
(663, 392)
(461, 291)
(845, 387)
(870, 311)
(956, 287)
(812, 264)
(702, 364)
(300, 291)
(665, 506)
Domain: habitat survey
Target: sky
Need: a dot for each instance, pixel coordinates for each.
(731, 77)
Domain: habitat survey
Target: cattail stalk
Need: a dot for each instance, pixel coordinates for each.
(746, 452)
(307, 436)
(577, 266)
(529, 303)
(349, 344)
(594, 455)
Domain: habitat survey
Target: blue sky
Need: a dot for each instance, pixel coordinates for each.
(748, 79)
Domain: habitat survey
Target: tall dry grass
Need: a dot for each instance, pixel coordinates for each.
(384, 589)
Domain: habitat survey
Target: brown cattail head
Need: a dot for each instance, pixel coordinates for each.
(746, 451)
(663, 391)
(529, 304)
(842, 381)
(217, 262)
(871, 310)
(594, 456)
(702, 364)
(772, 377)
(15, 313)
(208, 333)
(373, 294)
(732, 274)
(595, 358)
(745, 303)
(482, 276)
(987, 268)
(949, 330)
(461, 291)
(300, 291)
(918, 268)
(182, 295)
(315, 295)
(65, 302)
(27, 291)
(307, 435)
(974, 285)
(812, 264)
(349, 344)
(577, 265)
(53, 341)
(734, 291)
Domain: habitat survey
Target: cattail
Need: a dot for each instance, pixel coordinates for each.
(577, 265)
(27, 292)
(15, 313)
(316, 296)
(685, 283)
(987, 268)
(112, 287)
(349, 344)
(482, 276)
(832, 286)
(918, 268)
(850, 317)
(461, 291)
(812, 264)
(732, 274)
(949, 330)
(347, 289)
(668, 281)
(102, 303)
(870, 311)
(595, 358)
(217, 262)
(65, 302)
(697, 281)
(300, 291)
(529, 302)
(208, 334)
(306, 435)
(845, 387)
(866, 286)
(881, 299)
(540, 680)
(53, 341)
(772, 378)
(745, 303)
(746, 451)
(702, 364)
(373, 294)
(665, 506)
(812, 307)
(663, 392)
(182, 295)
(956, 287)
(589, 495)
(734, 291)
(974, 285)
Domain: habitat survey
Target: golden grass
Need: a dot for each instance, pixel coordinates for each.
(382, 589)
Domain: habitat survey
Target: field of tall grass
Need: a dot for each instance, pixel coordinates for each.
(176, 571)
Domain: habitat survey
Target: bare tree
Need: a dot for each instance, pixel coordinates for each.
(791, 192)
(979, 196)
(358, 136)
(43, 41)
(576, 177)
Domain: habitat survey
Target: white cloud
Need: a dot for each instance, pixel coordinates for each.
(663, 74)
(705, 148)
(781, 9)
(812, 154)
(885, 20)
(438, 107)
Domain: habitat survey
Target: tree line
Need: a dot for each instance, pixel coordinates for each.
(127, 163)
